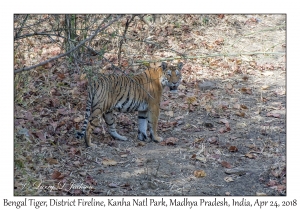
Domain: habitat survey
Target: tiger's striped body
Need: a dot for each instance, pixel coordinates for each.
(122, 93)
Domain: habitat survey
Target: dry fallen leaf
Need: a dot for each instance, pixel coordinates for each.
(126, 186)
(181, 87)
(219, 41)
(91, 181)
(241, 114)
(252, 63)
(265, 87)
(82, 76)
(109, 162)
(228, 86)
(199, 173)
(201, 159)
(276, 173)
(276, 115)
(228, 179)
(57, 175)
(181, 95)
(113, 185)
(237, 106)
(52, 161)
(169, 141)
(75, 151)
(140, 144)
(237, 171)
(179, 118)
(223, 121)
(169, 113)
(40, 135)
(191, 99)
(224, 129)
(268, 73)
(78, 119)
(272, 183)
(226, 164)
(244, 106)
(61, 76)
(249, 155)
(280, 188)
(75, 92)
(246, 90)
(233, 149)
(198, 140)
(245, 77)
(76, 163)
(213, 140)
(165, 105)
(82, 173)
(260, 194)
(208, 125)
(221, 16)
(140, 161)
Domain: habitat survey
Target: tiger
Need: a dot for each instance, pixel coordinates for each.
(141, 92)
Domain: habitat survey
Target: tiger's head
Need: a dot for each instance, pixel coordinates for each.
(172, 76)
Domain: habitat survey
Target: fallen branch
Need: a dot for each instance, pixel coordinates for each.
(99, 29)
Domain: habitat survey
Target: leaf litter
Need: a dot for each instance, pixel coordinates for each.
(236, 93)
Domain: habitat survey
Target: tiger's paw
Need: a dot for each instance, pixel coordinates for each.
(91, 145)
(118, 136)
(143, 137)
(157, 139)
(122, 138)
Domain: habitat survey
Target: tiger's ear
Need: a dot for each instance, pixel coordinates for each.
(164, 66)
(179, 65)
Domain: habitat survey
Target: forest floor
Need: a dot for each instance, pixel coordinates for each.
(224, 131)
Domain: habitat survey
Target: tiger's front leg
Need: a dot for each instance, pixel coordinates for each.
(142, 124)
(153, 122)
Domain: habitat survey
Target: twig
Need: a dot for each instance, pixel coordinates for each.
(148, 42)
(124, 38)
(170, 49)
(21, 27)
(100, 28)
(142, 17)
(38, 34)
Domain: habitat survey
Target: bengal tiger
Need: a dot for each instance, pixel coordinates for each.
(141, 92)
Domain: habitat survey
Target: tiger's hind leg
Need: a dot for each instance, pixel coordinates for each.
(142, 123)
(110, 121)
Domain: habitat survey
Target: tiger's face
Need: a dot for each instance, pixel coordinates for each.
(172, 76)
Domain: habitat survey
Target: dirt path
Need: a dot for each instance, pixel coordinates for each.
(253, 144)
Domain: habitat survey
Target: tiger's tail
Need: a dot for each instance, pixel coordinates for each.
(88, 110)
